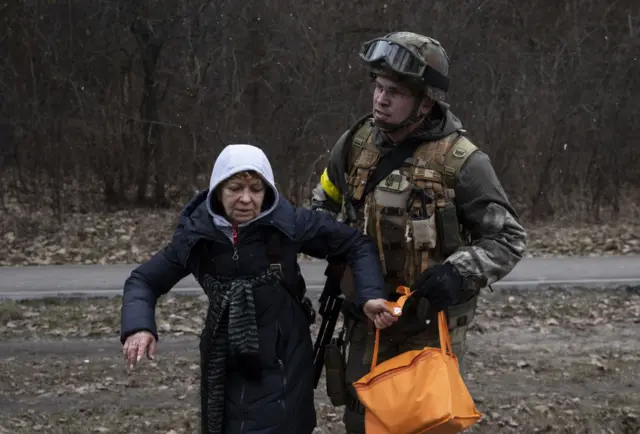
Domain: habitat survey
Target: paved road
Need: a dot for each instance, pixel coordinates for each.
(98, 280)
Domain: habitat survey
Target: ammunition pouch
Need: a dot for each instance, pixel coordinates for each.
(448, 229)
(462, 315)
(458, 315)
(334, 363)
(424, 233)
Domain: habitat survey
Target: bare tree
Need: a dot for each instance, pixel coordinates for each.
(112, 102)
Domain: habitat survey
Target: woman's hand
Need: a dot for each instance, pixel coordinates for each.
(378, 312)
(136, 345)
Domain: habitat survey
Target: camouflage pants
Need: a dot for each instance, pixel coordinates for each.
(393, 341)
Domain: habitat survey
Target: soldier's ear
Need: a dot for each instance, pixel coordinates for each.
(426, 105)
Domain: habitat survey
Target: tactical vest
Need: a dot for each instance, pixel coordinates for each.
(411, 213)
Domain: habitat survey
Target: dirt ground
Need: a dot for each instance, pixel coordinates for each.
(554, 361)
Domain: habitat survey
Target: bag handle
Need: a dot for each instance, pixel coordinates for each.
(445, 338)
(395, 308)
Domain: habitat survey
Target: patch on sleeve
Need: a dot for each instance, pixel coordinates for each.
(494, 218)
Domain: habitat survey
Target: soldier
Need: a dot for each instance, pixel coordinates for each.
(407, 175)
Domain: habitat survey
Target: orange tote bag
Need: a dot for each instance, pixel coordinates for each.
(419, 391)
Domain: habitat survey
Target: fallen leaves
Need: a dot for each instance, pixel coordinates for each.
(567, 307)
(94, 318)
(71, 393)
(132, 236)
(94, 238)
(587, 240)
(180, 315)
(531, 343)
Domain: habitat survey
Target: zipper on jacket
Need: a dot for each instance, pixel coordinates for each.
(241, 404)
(234, 235)
(284, 376)
(284, 386)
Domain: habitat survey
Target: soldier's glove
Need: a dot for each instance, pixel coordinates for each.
(440, 284)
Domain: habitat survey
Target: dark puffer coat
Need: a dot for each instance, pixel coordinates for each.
(282, 401)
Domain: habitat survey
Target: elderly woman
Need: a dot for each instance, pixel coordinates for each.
(240, 239)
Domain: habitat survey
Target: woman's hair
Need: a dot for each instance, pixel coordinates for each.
(245, 174)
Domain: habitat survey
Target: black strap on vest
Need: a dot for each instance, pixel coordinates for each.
(393, 160)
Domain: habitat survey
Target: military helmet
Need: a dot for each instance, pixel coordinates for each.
(419, 60)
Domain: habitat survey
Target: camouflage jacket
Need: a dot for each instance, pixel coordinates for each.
(498, 240)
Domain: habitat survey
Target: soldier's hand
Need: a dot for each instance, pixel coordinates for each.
(136, 345)
(440, 284)
(378, 312)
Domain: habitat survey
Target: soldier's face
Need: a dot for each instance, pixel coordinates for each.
(392, 101)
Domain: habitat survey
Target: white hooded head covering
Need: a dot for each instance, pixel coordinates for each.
(234, 159)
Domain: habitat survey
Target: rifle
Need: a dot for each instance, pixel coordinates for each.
(330, 305)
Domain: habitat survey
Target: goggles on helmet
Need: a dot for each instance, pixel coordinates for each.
(402, 60)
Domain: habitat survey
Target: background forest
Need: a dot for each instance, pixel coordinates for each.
(119, 107)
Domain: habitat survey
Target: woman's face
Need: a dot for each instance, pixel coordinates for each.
(242, 196)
